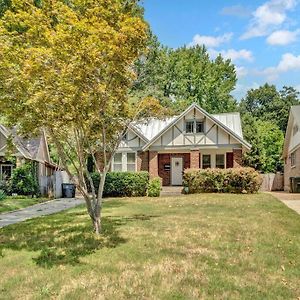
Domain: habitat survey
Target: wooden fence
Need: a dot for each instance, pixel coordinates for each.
(272, 182)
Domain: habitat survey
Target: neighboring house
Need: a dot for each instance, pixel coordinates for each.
(291, 150)
(194, 139)
(33, 149)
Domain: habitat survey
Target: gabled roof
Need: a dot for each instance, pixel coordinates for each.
(294, 118)
(154, 128)
(29, 148)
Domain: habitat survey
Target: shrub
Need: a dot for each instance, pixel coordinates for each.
(237, 180)
(2, 195)
(123, 184)
(24, 181)
(154, 187)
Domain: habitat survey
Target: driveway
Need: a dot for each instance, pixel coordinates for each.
(289, 199)
(42, 209)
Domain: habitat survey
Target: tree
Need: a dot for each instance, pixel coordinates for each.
(66, 66)
(267, 141)
(181, 76)
(267, 104)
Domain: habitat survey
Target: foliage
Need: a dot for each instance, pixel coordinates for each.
(23, 181)
(268, 104)
(66, 66)
(123, 184)
(184, 75)
(154, 187)
(236, 180)
(2, 195)
(267, 141)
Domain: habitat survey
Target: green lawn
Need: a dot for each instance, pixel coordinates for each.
(208, 246)
(13, 203)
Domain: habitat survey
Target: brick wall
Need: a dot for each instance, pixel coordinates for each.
(153, 164)
(142, 161)
(237, 158)
(165, 159)
(195, 159)
(289, 171)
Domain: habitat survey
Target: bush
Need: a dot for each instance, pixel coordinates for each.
(2, 195)
(154, 187)
(123, 184)
(237, 180)
(24, 181)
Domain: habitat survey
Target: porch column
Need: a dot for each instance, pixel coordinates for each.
(142, 161)
(195, 159)
(153, 164)
(237, 158)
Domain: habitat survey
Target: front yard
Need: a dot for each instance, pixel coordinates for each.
(14, 203)
(190, 247)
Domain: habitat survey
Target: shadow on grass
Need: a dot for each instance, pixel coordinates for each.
(63, 238)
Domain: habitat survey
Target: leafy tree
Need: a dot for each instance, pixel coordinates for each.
(181, 76)
(267, 141)
(267, 104)
(66, 66)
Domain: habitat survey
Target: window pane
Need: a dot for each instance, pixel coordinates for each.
(6, 172)
(220, 161)
(117, 167)
(189, 127)
(131, 167)
(199, 127)
(130, 157)
(293, 159)
(206, 161)
(118, 158)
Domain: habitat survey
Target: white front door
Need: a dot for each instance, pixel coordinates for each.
(176, 170)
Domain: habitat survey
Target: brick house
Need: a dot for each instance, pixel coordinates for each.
(291, 150)
(194, 139)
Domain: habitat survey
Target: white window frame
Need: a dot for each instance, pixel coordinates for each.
(194, 121)
(124, 161)
(293, 159)
(5, 165)
(224, 160)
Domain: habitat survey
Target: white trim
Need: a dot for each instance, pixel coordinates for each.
(124, 161)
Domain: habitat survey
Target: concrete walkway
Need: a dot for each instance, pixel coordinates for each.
(37, 210)
(289, 199)
(171, 191)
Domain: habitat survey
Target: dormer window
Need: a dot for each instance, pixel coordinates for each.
(194, 126)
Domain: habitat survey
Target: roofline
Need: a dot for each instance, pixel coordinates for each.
(194, 105)
(137, 132)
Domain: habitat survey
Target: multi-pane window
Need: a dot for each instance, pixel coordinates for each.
(131, 162)
(220, 161)
(6, 172)
(293, 159)
(124, 162)
(206, 161)
(117, 165)
(189, 126)
(194, 126)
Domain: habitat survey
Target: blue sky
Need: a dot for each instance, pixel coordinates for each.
(261, 37)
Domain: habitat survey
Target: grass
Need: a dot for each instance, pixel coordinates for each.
(208, 246)
(13, 203)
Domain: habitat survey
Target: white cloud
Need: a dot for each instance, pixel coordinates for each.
(236, 10)
(234, 55)
(240, 90)
(211, 41)
(268, 17)
(282, 37)
(288, 62)
(241, 71)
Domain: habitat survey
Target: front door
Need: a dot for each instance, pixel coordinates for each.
(176, 170)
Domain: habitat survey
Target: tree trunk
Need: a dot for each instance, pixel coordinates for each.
(97, 225)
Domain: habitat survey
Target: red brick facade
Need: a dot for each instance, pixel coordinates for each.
(164, 162)
(237, 158)
(195, 159)
(142, 161)
(153, 164)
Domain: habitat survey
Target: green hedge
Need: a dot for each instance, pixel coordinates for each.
(154, 187)
(237, 180)
(123, 184)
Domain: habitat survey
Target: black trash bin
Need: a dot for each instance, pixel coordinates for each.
(296, 188)
(292, 184)
(68, 190)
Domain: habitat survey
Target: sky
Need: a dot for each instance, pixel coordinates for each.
(262, 38)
